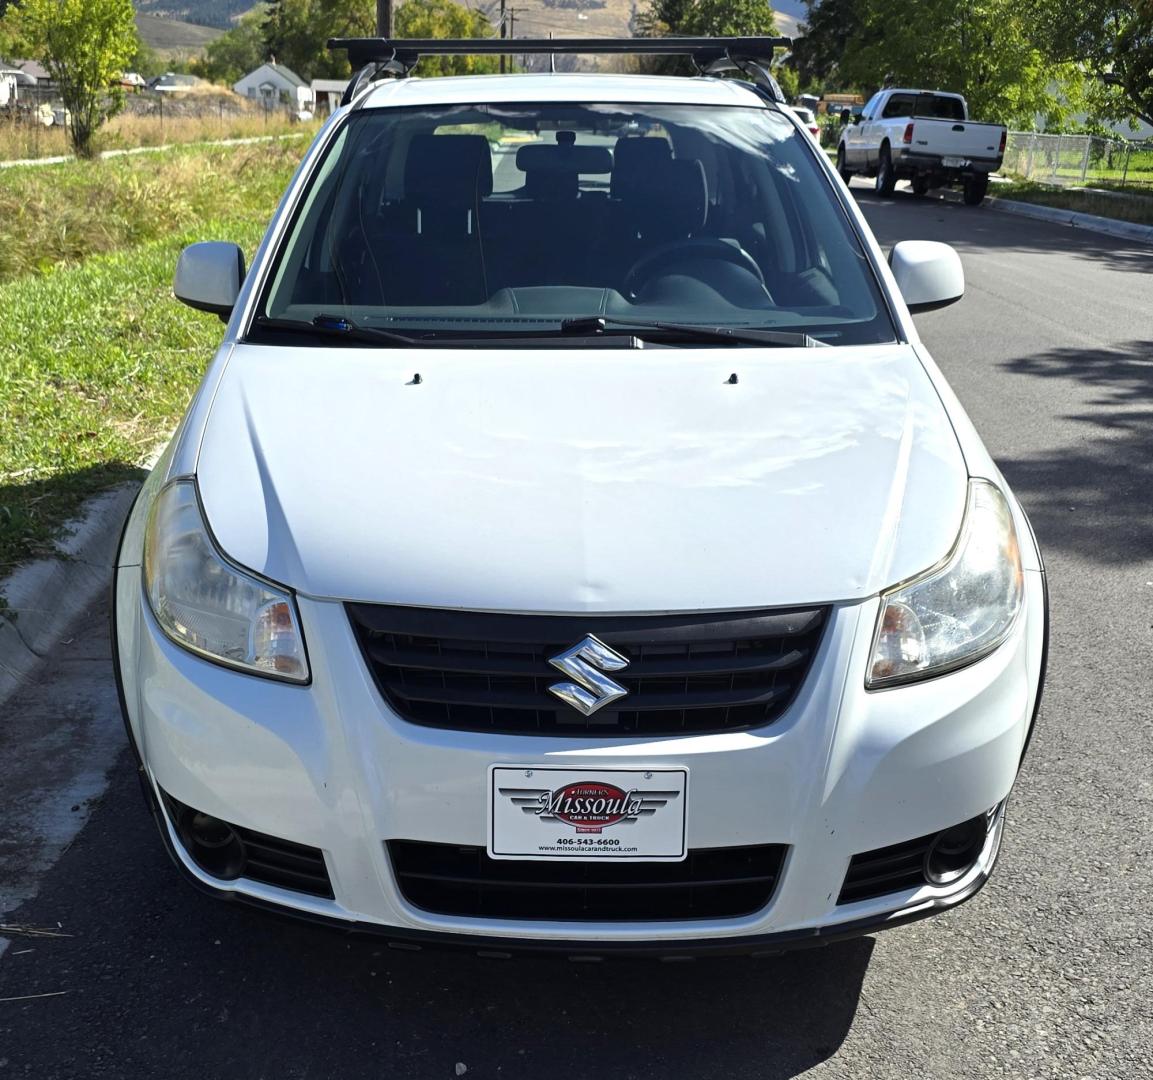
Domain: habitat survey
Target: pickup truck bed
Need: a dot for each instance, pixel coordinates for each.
(925, 137)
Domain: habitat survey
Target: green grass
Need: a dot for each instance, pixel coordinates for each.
(97, 360)
(55, 213)
(1131, 206)
(1118, 166)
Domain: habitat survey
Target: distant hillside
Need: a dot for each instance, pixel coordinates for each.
(594, 18)
(563, 16)
(172, 35)
(187, 25)
(218, 13)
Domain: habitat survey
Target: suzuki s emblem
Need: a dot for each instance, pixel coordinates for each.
(586, 663)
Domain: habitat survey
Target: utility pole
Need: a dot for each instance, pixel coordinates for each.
(384, 18)
(503, 32)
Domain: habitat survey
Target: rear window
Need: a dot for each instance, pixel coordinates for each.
(507, 218)
(929, 106)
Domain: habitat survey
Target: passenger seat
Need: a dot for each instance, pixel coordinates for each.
(438, 258)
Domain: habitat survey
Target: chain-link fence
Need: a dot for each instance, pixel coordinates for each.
(1079, 160)
(35, 124)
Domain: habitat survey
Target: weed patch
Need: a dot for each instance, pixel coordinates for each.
(1128, 207)
(64, 213)
(97, 360)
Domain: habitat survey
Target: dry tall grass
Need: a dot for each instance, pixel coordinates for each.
(219, 119)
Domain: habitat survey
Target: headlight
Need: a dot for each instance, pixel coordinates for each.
(209, 606)
(959, 611)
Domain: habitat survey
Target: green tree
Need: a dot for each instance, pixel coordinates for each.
(984, 50)
(6, 39)
(711, 18)
(730, 18)
(445, 19)
(296, 32)
(147, 61)
(788, 80)
(830, 25)
(85, 45)
(236, 52)
(1110, 40)
(664, 17)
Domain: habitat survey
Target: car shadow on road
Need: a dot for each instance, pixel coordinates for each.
(163, 982)
(1093, 497)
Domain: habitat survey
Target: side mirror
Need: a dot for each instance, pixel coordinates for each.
(928, 274)
(209, 276)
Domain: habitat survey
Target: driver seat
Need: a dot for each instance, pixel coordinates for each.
(669, 205)
(674, 203)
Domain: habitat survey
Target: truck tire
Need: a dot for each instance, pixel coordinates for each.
(975, 188)
(886, 177)
(842, 168)
(920, 184)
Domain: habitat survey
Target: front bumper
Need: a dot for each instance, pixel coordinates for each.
(329, 766)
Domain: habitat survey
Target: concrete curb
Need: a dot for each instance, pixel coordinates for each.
(1125, 230)
(48, 595)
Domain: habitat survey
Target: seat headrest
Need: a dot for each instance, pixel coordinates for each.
(564, 157)
(455, 169)
(633, 158)
(676, 200)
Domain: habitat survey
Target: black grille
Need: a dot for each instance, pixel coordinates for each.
(886, 870)
(710, 883)
(237, 852)
(284, 864)
(692, 673)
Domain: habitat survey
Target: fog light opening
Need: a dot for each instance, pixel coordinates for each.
(212, 843)
(955, 851)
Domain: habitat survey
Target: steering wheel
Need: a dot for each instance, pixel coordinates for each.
(703, 247)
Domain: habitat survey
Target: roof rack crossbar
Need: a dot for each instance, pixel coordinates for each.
(376, 57)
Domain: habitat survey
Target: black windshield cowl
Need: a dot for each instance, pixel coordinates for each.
(341, 328)
(782, 339)
(336, 326)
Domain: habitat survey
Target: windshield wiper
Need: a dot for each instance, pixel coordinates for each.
(339, 326)
(786, 339)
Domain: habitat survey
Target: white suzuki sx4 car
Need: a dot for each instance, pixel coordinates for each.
(572, 547)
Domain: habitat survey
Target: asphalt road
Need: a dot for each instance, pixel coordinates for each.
(1045, 974)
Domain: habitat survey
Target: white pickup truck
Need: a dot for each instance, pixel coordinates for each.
(924, 136)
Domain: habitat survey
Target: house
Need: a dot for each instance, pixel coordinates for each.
(327, 94)
(33, 69)
(171, 83)
(15, 85)
(9, 87)
(273, 84)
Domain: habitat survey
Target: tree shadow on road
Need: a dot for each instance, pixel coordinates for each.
(163, 982)
(1095, 496)
(983, 229)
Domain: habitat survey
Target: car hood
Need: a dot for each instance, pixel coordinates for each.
(574, 480)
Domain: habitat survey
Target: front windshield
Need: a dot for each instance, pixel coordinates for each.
(509, 219)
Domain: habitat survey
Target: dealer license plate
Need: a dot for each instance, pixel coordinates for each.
(954, 162)
(552, 813)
